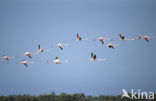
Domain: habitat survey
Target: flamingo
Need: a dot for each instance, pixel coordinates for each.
(6, 58)
(94, 58)
(122, 38)
(28, 54)
(25, 62)
(57, 61)
(139, 36)
(60, 45)
(110, 45)
(146, 38)
(40, 48)
(101, 39)
(79, 38)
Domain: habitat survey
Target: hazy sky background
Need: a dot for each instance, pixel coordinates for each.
(24, 24)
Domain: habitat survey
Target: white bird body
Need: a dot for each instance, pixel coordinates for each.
(40, 50)
(58, 61)
(110, 45)
(79, 38)
(6, 58)
(28, 54)
(61, 46)
(93, 58)
(25, 63)
(122, 38)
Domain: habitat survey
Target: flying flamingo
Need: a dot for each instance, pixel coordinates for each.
(101, 39)
(28, 54)
(139, 36)
(79, 38)
(60, 45)
(25, 63)
(122, 38)
(40, 50)
(57, 61)
(7, 57)
(94, 58)
(110, 45)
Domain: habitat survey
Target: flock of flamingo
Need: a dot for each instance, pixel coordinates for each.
(79, 38)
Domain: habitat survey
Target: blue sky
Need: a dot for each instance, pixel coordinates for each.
(24, 24)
